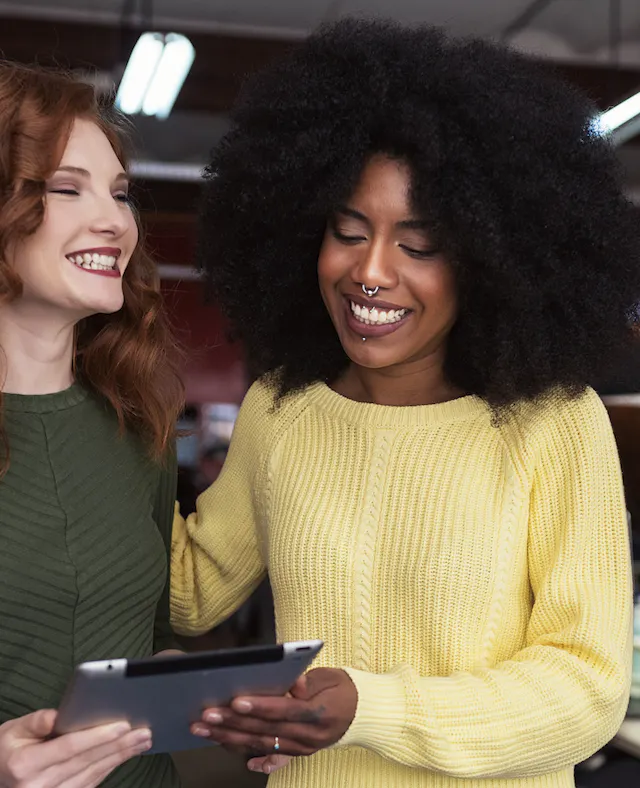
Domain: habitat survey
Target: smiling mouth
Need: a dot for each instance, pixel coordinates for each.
(93, 261)
(375, 316)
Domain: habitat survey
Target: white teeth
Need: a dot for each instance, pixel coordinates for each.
(375, 317)
(94, 261)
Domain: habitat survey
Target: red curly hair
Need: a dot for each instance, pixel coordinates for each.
(129, 358)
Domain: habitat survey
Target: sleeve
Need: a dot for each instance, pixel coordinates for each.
(564, 695)
(217, 560)
(163, 514)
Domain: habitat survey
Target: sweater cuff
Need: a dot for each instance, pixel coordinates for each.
(381, 711)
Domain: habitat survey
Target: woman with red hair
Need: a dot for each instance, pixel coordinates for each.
(89, 397)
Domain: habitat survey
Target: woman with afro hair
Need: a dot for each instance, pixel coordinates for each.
(424, 247)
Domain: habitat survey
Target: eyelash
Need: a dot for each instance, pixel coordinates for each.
(418, 254)
(123, 198)
(347, 239)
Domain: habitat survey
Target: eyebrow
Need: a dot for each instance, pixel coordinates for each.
(406, 224)
(120, 177)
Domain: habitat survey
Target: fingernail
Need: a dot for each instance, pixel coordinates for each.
(243, 706)
(213, 718)
(253, 767)
(268, 769)
(200, 730)
(121, 728)
(143, 736)
(144, 746)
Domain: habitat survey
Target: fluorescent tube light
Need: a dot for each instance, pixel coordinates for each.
(169, 77)
(139, 72)
(620, 114)
(155, 73)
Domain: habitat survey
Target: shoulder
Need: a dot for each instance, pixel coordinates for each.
(264, 416)
(559, 423)
(561, 410)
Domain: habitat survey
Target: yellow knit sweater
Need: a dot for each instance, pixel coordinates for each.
(474, 580)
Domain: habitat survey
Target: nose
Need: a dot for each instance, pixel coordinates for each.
(110, 217)
(375, 266)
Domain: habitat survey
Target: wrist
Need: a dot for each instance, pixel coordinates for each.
(380, 712)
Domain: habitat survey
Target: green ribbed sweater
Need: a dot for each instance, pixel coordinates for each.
(85, 521)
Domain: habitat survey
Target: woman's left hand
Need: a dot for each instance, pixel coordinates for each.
(315, 714)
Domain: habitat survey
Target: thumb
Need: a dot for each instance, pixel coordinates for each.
(37, 725)
(300, 689)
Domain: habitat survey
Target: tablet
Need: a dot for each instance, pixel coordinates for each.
(167, 694)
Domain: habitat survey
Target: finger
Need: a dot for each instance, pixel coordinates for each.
(301, 732)
(40, 755)
(97, 771)
(256, 745)
(37, 725)
(86, 763)
(268, 708)
(268, 763)
(300, 689)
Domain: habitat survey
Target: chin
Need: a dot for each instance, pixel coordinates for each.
(112, 309)
(105, 307)
(371, 358)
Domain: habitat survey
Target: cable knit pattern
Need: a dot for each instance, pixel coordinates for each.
(474, 580)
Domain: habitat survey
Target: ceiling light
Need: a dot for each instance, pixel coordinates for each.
(620, 114)
(155, 73)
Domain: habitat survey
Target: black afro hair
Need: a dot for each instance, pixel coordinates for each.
(507, 166)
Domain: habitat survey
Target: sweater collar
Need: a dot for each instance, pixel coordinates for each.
(44, 403)
(394, 416)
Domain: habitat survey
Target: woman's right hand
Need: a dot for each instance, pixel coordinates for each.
(28, 759)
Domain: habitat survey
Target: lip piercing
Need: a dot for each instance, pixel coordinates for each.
(370, 293)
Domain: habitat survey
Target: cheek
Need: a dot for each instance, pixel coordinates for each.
(326, 271)
(133, 234)
(334, 264)
(130, 242)
(30, 261)
(437, 290)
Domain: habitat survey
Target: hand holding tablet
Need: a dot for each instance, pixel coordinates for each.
(168, 694)
(316, 713)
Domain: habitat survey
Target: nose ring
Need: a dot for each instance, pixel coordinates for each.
(370, 293)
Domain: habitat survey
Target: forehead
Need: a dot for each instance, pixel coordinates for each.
(88, 148)
(384, 183)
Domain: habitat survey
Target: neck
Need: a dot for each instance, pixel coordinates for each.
(419, 382)
(37, 351)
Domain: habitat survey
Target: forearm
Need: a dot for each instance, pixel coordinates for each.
(544, 711)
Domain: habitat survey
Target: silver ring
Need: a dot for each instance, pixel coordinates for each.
(368, 292)
(276, 744)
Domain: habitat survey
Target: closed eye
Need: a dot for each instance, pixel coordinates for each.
(348, 239)
(419, 254)
(71, 192)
